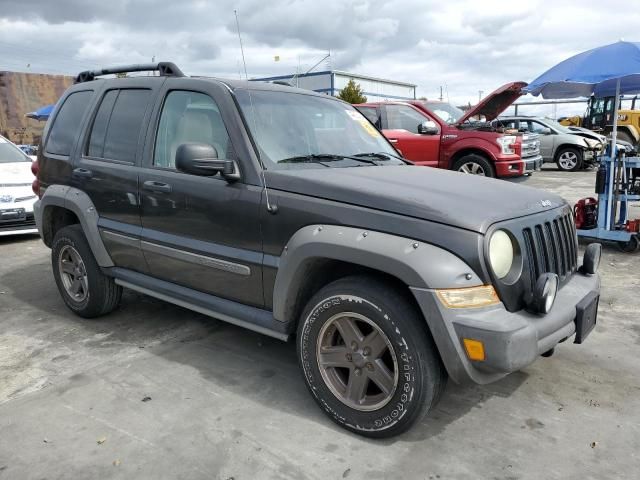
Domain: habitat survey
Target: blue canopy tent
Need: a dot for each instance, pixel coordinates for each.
(42, 113)
(610, 70)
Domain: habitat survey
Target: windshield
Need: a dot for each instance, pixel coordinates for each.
(295, 130)
(558, 126)
(445, 111)
(9, 153)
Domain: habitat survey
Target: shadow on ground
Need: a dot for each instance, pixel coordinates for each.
(229, 358)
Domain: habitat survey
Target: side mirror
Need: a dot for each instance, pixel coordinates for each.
(202, 159)
(545, 131)
(428, 128)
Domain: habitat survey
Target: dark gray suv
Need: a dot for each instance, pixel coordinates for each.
(288, 213)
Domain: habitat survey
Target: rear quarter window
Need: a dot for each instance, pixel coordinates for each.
(67, 123)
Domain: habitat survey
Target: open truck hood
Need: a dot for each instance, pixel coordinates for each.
(495, 103)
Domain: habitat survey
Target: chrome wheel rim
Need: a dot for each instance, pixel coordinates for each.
(568, 160)
(357, 361)
(472, 168)
(73, 273)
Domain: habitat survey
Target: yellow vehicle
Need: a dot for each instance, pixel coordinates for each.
(599, 117)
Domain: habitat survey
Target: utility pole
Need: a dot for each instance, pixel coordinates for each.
(441, 97)
(480, 92)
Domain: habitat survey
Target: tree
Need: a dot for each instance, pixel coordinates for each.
(352, 93)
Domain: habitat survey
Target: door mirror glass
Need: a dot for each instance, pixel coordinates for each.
(428, 128)
(202, 159)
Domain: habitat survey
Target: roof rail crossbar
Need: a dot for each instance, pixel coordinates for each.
(166, 69)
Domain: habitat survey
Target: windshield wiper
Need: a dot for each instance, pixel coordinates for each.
(312, 158)
(380, 156)
(326, 157)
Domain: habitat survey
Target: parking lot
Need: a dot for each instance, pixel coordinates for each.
(157, 391)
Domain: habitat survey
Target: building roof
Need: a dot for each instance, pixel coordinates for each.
(336, 72)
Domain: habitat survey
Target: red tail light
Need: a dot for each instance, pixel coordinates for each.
(35, 186)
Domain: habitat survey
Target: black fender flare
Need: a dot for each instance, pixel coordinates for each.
(81, 205)
(417, 264)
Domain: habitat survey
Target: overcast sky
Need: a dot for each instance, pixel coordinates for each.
(465, 46)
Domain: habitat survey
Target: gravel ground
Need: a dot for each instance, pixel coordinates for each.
(155, 391)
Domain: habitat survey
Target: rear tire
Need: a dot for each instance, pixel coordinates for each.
(367, 357)
(475, 165)
(84, 288)
(569, 159)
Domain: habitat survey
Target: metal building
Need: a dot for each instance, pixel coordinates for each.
(332, 81)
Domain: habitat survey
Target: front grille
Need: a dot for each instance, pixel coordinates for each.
(551, 247)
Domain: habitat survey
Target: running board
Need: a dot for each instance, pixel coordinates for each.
(252, 318)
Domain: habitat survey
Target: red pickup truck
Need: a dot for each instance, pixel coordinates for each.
(438, 134)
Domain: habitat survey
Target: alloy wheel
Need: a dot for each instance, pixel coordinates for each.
(472, 168)
(357, 361)
(73, 273)
(568, 160)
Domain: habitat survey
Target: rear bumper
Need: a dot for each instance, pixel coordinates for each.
(512, 340)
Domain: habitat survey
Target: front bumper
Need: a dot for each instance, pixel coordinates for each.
(512, 340)
(533, 164)
(17, 219)
(510, 168)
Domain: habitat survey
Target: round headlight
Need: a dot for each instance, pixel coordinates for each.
(501, 253)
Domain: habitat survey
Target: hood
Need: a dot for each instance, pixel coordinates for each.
(495, 103)
(465, 201)
(16, 173)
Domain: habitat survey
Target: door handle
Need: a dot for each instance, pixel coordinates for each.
(156, 186)
(392, 140)
(82, 172)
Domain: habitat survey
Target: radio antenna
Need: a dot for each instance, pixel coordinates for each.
(235, 12)
(270, 208)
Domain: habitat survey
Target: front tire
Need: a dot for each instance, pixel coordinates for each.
(475, 165)
(367, 357)
(84, 288)
(569, 159)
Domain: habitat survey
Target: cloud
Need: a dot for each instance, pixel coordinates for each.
(464, 46)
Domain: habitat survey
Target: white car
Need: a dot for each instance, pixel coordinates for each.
(16, 196)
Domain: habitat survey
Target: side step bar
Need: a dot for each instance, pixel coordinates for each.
(252, 318)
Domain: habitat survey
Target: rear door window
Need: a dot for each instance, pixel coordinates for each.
(67, 123)
(116, 129)
(402, 117)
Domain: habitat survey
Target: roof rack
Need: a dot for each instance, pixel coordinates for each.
(166, 69)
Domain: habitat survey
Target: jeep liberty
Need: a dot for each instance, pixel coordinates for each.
(288, 213)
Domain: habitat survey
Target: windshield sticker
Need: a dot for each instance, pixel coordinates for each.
(371, 130)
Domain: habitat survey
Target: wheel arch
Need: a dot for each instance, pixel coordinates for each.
(564, 146)
(470, 151)
(62, 205)
(317, 255)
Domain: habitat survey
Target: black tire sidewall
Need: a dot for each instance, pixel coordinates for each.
(483, 162)
(92, 305)
(415, 390)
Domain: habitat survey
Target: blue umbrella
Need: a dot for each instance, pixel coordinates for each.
(598, 71)
(603, 71)
(42, 113)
